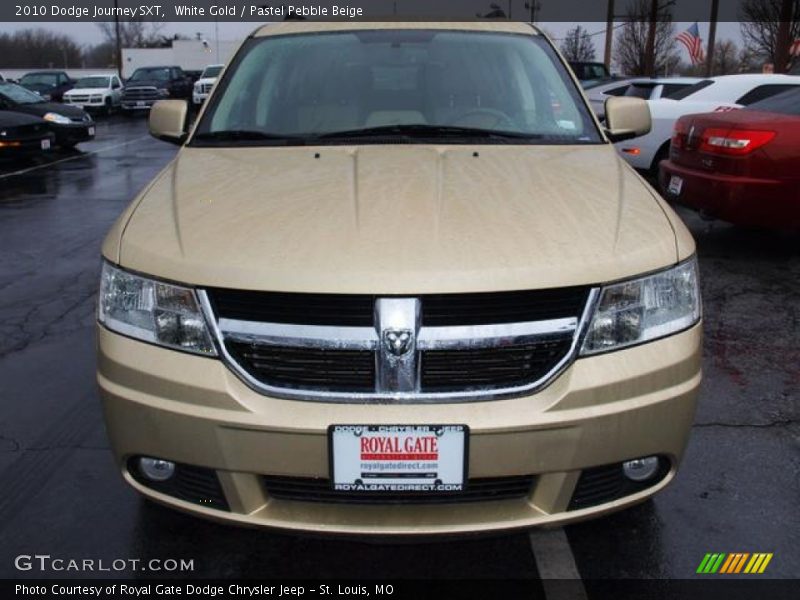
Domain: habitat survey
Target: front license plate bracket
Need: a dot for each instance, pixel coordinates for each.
(388, 459)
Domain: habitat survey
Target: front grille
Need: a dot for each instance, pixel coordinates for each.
(76, 99)
(140, 93)
(503, 307)
(344, 310)
(320, 490)
(355, 310)
(363, 347)
(307, 368)
(206, 88)
(486, 368)
(598, 485)
(192, 484)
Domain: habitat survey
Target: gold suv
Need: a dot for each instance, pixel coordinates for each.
(397, 281)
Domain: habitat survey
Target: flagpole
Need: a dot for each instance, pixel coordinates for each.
(712, 36)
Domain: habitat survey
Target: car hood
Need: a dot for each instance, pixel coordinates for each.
(85, 91)
(396, 219)
(206, 80)
(42, 108)
(15, 119)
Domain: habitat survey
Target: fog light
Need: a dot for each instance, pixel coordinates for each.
(640, 469)
(156, 469)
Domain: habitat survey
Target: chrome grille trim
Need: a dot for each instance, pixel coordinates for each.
(425, 338)
(318, 336)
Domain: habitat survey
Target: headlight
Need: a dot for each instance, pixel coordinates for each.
(153, 311)
(97, 98)
(57, 118)
(644, 309)
(163, 92)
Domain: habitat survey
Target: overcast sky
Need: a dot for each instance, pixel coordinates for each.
(89, 33)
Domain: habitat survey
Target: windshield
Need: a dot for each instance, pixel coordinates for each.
(92, 82)
(786, 103)
(40, 79)
(688, 91)
(157, 74)
(211, 72)
(19, 94)
(418, 84)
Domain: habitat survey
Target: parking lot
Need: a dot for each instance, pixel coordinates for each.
(738, 489)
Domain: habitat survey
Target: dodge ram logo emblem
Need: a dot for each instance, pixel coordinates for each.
(397, 341)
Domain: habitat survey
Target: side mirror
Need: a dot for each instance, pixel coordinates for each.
(627, 118)
(168, 121)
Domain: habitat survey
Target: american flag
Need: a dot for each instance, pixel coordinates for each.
(694, 45)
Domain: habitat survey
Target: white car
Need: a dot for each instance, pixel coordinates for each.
(202, 87)
(726, 92)
(96, 92)
(648, 89)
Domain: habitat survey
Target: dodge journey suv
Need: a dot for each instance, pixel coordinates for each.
(397, 281)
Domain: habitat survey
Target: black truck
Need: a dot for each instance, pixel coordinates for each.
(147, 85)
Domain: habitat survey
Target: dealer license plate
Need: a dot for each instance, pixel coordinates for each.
(140, 103)
(675, 185)
(398, 458)
(91, 130)
(45, 144)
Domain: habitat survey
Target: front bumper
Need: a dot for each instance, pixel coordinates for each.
(199, 97)
(134, 105)
(87, 104)
(602, 410)
(74, 133)
(736, 199)
(24, 148)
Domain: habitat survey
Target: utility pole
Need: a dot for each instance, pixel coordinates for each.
(216, 36)
(609, 34)
(712, 38)
(650, 48)
(118, 41)
(784, 32)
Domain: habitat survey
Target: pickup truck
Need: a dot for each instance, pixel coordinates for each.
(147, 85)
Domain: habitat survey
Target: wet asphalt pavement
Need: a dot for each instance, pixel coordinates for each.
(738, 489)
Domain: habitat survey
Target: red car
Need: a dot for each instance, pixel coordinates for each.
(741, 166)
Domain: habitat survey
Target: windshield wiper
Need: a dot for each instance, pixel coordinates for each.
(230, 135)
(430, 131)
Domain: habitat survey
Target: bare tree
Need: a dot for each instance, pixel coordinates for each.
(134, 33)
(726, 58)
(577, 45)
(630, 49)
(762, 32)
(39, 48)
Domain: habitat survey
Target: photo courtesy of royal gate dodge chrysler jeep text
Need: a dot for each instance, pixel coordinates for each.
(398, 281)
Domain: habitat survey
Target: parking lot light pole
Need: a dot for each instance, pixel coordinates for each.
(118, 41)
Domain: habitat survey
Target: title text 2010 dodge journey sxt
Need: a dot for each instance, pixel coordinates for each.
(397, 281)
